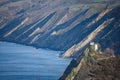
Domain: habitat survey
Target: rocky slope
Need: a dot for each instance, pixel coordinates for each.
(56, 24)
(106, 32)
(94, 65)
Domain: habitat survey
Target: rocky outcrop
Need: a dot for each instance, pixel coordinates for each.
(93, 64)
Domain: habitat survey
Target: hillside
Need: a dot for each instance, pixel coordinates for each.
(59, 24)
(94, 65)
(106, 33)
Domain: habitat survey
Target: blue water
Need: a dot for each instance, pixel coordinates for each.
(19, 62)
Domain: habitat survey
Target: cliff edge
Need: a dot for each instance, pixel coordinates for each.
(94, 64)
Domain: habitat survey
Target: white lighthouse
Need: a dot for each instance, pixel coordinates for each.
(94, 46)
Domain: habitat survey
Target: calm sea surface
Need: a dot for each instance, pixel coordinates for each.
(19, 62)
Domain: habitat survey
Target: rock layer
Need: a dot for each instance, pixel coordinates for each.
(67, 25)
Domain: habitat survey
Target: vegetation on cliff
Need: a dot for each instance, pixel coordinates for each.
(96, 65)
(99, 66)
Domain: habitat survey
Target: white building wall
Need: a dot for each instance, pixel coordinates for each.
(95, 47)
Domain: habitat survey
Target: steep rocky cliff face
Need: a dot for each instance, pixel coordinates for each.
(67, 25)
(105, 31)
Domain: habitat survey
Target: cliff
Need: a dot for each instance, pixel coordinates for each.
(94, 64)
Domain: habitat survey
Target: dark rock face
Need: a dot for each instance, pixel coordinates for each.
(101, 31)
(58, 24)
